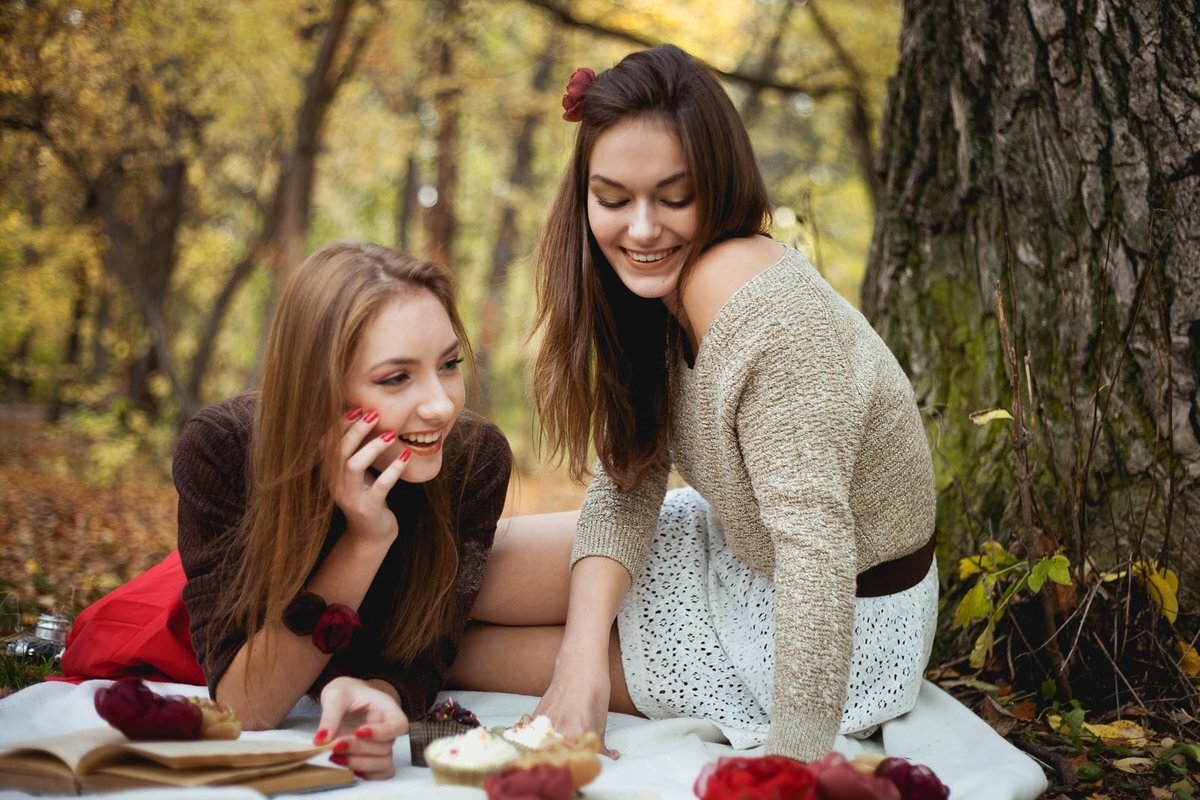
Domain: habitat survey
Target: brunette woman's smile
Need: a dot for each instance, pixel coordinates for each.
(641, 204)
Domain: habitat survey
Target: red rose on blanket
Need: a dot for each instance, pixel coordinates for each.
(838, 779)
(335, 628)
(762, 778)
(540, 782)
(915, 781)
(136, 711)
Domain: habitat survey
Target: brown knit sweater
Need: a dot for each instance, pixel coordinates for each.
(800, 429)
(210, 475)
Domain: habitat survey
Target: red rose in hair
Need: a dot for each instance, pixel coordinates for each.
(542, 782)
(765, 778)
(335, 628)
(136, 711)
(577, 87)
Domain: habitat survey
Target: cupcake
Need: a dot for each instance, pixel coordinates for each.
(532, 734)
(447, 718)
(468, 758)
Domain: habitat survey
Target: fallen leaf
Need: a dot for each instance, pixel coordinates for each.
(991, 415)
(1122, 732)
(1189, 659)
(1026, 709)
(1135, 765)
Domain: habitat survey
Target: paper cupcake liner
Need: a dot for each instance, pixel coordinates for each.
(459, 776)
(421, 733)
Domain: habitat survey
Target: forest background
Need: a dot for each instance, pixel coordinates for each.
(1007, 189)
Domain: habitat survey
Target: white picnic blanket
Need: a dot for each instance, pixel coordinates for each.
(660, 760)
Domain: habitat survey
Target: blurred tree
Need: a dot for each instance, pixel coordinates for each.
(1051, 149)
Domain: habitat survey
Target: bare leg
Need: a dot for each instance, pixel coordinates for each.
(528, 576)
(520, 660)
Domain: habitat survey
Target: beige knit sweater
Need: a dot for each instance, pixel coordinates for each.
(801, 430)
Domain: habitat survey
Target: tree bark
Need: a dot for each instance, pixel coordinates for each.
(519, 178)
(1051, 148)
(441, 221)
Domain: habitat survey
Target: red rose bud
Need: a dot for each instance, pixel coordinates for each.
(915, 781)
(335, 628)
(541, 782)
(577, 86)
(136, 711)
(749, 778)
(923, 784)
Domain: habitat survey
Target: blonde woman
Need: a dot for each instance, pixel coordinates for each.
(335, 526)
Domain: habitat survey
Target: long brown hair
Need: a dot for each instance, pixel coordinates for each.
(324, 310)
(600, 372)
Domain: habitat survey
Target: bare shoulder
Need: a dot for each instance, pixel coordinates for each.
(720, 271)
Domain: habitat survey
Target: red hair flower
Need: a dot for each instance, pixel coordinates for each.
(577, 87)
(335, 628)
(750, 778)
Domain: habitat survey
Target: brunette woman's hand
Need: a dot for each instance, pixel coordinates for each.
(577, 699)
(360, 495)
(363, 723)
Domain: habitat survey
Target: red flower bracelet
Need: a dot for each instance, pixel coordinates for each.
(331, 626)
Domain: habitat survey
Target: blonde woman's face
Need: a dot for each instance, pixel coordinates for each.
(407, 370)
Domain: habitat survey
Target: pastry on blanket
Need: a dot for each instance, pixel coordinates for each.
(532, 733)
(447, 718)
(217, 720)
(579, 754)
(468, 758)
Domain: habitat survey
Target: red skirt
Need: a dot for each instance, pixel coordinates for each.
(139, 629)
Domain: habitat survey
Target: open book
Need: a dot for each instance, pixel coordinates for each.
(102, 759)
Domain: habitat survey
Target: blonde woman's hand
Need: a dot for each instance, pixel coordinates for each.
(577, 701)
(363, 723)
(361, 495)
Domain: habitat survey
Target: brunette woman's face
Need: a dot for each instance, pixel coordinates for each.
(407, 369)
(641, 204)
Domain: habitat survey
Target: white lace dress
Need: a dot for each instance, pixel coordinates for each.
(697, 635)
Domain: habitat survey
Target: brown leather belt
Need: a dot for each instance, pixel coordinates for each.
(898, 574)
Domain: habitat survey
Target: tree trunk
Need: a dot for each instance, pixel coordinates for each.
(441, 222)
(519, 177)
(1053, 149)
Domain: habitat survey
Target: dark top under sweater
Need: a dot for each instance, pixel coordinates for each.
(210, 475)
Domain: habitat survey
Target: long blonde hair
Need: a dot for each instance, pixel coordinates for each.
(325, 308)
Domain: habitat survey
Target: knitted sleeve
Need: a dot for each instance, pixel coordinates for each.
(798, 426)
(619, 524)
(209, 471)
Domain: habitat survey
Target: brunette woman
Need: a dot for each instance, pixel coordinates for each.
(335, 526)
(790, 593)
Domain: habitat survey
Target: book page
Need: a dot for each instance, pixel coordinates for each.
(207, 753)
(69, 748)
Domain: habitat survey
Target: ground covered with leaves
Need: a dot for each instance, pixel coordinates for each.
(71, 530)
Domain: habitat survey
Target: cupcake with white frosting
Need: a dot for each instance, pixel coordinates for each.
(532, 734)
(466, 759)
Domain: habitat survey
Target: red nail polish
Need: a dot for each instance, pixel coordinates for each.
(371, 416)
(321, 736)
(364, 732)
(358, 774)
(339, 759)
(404, 456)
(341, 746)
(354, 413)
(388, 436)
